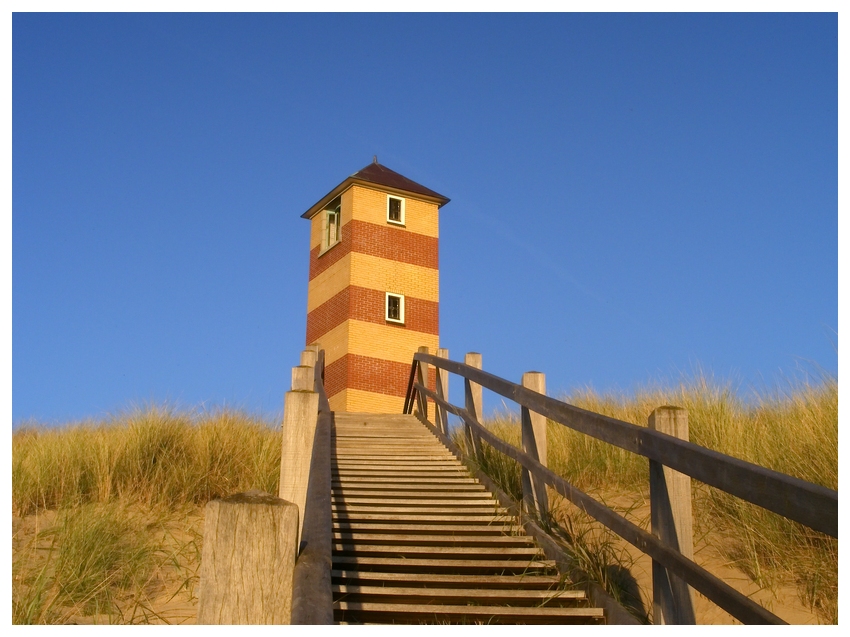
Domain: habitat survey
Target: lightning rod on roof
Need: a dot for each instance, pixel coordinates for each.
(374, 159)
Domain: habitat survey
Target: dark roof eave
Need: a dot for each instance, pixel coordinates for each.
(440, 200)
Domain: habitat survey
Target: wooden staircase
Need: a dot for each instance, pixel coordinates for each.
(418, 540)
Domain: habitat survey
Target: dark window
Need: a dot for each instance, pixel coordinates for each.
(393, 307)
(332, 230)
(395, 210)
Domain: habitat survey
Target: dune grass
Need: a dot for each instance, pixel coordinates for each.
(151, 456)
(104, 563)
(116, 485)
(794, 431)
(108, 496)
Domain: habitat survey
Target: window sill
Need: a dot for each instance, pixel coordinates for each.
(328, 249)
(394, 322)
(396, 223)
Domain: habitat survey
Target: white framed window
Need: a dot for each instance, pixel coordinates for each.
(395, 210)
(331, 230)
(394, 308)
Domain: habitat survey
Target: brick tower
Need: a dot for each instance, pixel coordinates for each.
(373, 295)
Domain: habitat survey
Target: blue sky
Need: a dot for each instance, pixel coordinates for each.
(633, 195)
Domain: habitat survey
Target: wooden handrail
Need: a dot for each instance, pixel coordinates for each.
(798, 500)
(312, 596)
(729, 599)
(807, 503)
(408, 397)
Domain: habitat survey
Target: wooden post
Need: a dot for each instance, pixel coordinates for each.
(473, 403)
(534, 494)
(422, 379)
(302, 378)
(300, 412)
(672, 523)
(442, 392)
(248, 560)
(309, 356)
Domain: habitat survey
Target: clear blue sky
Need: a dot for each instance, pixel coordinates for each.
(632, 195)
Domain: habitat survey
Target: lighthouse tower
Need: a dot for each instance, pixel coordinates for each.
(373, 295)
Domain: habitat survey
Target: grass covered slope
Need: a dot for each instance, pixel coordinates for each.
(108, 515)
(153, 456)
(795, 432)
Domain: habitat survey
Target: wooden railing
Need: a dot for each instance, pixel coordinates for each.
(267, 559)
(312, 595)
(671, 459)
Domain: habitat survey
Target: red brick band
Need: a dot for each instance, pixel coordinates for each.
(364, 304)
(387, 242)
(353, 371)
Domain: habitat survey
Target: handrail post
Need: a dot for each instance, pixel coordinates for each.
(255, 588)
(312, 592)
(672, 523)
(309, 356)
(473, 397)
(300, 415)
(411, 391)
(534, 494)
(302, 378)
(442, 378)
(422, 379)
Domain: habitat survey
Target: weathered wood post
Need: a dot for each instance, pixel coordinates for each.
(248, 560)
(534, 495)
(672, 522)
(422, 379)
(302, 378)
(442, 392)
(473, 403)
(309, 356)
(300, 413)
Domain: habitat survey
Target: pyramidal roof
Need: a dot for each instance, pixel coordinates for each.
(379, 175)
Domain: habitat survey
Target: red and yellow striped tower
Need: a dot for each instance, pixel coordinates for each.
(373, 296)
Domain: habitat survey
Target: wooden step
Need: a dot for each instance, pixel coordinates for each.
(432, 540)
(449, 528)
(419, 456)
(420, 445)
(345, 516)
(430, 491)
(380, 500)
(417, 539)
(439, 613)
(371, 434)
(397, 462)
(417, 510)
(415, 469)
(422, 595)
(483, 566)
(525, 581)
(436, 552)
(400, 470)
(352, 480)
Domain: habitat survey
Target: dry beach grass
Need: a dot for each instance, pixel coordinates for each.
(107, 515)
(794, 431)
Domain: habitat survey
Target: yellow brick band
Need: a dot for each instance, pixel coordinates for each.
(387, 342)
(393, 276)
(370, 205)
(335, 342)
(329, 283)
(375, 273)
(357, 400)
